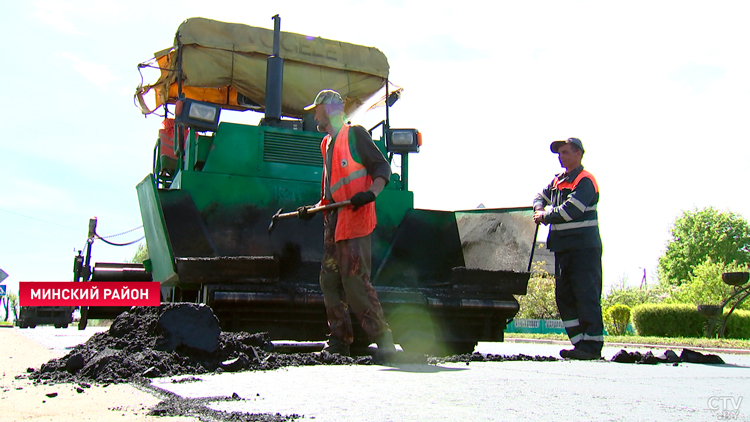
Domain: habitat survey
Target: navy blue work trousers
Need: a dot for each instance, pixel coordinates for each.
(578, 292)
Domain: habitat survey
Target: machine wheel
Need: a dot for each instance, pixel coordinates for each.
(84, 318)
(32, 325)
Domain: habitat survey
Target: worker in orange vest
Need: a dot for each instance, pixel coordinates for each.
(354, 169)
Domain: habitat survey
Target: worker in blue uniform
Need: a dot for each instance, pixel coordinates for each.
(568, 205)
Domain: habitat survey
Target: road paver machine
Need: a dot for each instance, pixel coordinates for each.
(446, 279)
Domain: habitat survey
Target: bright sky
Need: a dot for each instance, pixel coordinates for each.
(658, 92)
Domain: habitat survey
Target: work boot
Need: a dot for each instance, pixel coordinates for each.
(336, 346)
(386, 348)
(578, 354)
(564, 353)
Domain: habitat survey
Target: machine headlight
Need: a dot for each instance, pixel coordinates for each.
(404, 140)
(199, 115)
(203, 112)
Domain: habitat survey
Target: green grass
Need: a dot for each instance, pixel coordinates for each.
(661, 341)
(100, 322)
(3, 323)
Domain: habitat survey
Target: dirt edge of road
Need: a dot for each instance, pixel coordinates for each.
(23, 401)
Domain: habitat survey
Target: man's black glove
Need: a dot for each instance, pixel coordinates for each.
(303, 214)
(361, 198)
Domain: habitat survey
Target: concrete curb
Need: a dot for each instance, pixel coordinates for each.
(713, 350)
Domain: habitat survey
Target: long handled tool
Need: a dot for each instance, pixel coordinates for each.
(533, 248)
(314, 210)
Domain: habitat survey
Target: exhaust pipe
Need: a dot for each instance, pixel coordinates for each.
(274, 78)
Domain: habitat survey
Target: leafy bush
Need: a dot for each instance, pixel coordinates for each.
(539, 300)
(668, 320)
(13, 304)
(683, 320)
(700, 233)
(140, 255)
(738, 324)
(622, 294)
(616, 319)
(705, 287)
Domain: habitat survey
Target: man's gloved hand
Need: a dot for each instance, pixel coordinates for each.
(361, 198)
(303, 214)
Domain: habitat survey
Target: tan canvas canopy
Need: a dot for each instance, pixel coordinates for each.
(220, 60)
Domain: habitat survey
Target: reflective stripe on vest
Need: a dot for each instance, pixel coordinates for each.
(574, 225)
(569, 224)
(348, 178)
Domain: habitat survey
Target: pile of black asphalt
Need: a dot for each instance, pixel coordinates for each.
(185, 339)
(669, 356)
(169, 340)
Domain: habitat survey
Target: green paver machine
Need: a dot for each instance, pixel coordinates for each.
(446, 279)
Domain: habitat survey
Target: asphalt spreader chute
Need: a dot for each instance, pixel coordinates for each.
(446, 279)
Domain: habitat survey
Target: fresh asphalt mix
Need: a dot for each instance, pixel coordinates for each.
(466, 387)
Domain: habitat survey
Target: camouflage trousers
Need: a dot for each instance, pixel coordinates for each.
(345, 282)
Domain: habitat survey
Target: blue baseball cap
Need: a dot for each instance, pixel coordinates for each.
(557, 144)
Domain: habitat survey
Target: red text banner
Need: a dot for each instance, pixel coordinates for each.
(54, 293)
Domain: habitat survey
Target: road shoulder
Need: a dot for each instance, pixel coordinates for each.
(22, 400)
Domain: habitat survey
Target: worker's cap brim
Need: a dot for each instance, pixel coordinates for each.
(326, 96)
(555, 146)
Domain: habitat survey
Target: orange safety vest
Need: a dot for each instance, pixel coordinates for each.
(572, 185)
(589, 218)
(167, 138)
(348, 177)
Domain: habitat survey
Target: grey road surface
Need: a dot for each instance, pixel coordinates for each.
(480, 391)
(489, 391)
